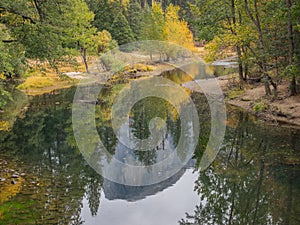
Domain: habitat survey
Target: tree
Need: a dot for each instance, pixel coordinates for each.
(35, 26)
(166, 26)
(256, 19)
(46, 28)
(81, 31)
(12, 57)
(293, 87)
(177, 31)
(153, 27)
(247, 27)
(153, 23)
(134, 17)
(121, 30)
(103, 42)
(103, 13)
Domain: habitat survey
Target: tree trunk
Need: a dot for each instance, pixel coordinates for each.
(238, 49)
(239, 53)
(262, 52)
(293, 88)
(263, 61)
(84, 57)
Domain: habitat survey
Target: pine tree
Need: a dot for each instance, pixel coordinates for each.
(121, 30)
(103, 14)
(134, 16)
(153, 23)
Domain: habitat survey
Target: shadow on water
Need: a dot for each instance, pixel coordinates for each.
(45, 180)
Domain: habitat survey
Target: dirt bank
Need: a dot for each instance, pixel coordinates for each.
(283, 109)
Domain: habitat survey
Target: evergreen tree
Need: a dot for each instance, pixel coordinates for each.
(134, 16)
(153, 23)
(121, 30)
(103, 14)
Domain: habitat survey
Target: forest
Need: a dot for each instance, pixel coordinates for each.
(263, 34)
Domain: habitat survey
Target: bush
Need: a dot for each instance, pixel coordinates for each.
(142, 67)
(260, 107)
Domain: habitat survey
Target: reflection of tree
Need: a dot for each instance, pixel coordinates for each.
(142, 113)
(94, 193)
(242, 185)
(56, 174)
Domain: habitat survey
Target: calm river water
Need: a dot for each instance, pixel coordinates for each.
(255, 178)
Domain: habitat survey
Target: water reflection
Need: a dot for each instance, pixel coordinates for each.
(254, 180)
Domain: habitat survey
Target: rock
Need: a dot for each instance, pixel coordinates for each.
(15, 176)
(2, 179)
(13, 182)
(23, 174)
(57, 103)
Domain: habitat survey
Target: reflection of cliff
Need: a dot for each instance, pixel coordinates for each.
(114, 191)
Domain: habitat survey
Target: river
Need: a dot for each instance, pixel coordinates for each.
(254, 179)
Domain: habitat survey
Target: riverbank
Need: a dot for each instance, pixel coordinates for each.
(39, 83)
(280, 110)
(283, 110)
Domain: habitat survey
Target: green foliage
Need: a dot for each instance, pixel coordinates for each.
(103, 13)
(153, 23)
(121, 30)
(166, 26)
(232, 94)
(134, 17)
(260, 107)
(103, 42)
(12, 58)
(263, 34)
(292, 71)
(5, 96)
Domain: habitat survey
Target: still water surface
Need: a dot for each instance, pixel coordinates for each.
(254, 179)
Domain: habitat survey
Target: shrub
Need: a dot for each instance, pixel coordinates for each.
(142, 67)
(260, 107)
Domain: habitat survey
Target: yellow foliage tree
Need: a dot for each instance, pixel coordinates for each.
(177, 31)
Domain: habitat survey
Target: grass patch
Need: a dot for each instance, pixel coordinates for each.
(142, 67)
(259, 107)
(37, 85)
(138, 68)
(36, 82)
(233, 94)
(41, 78)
